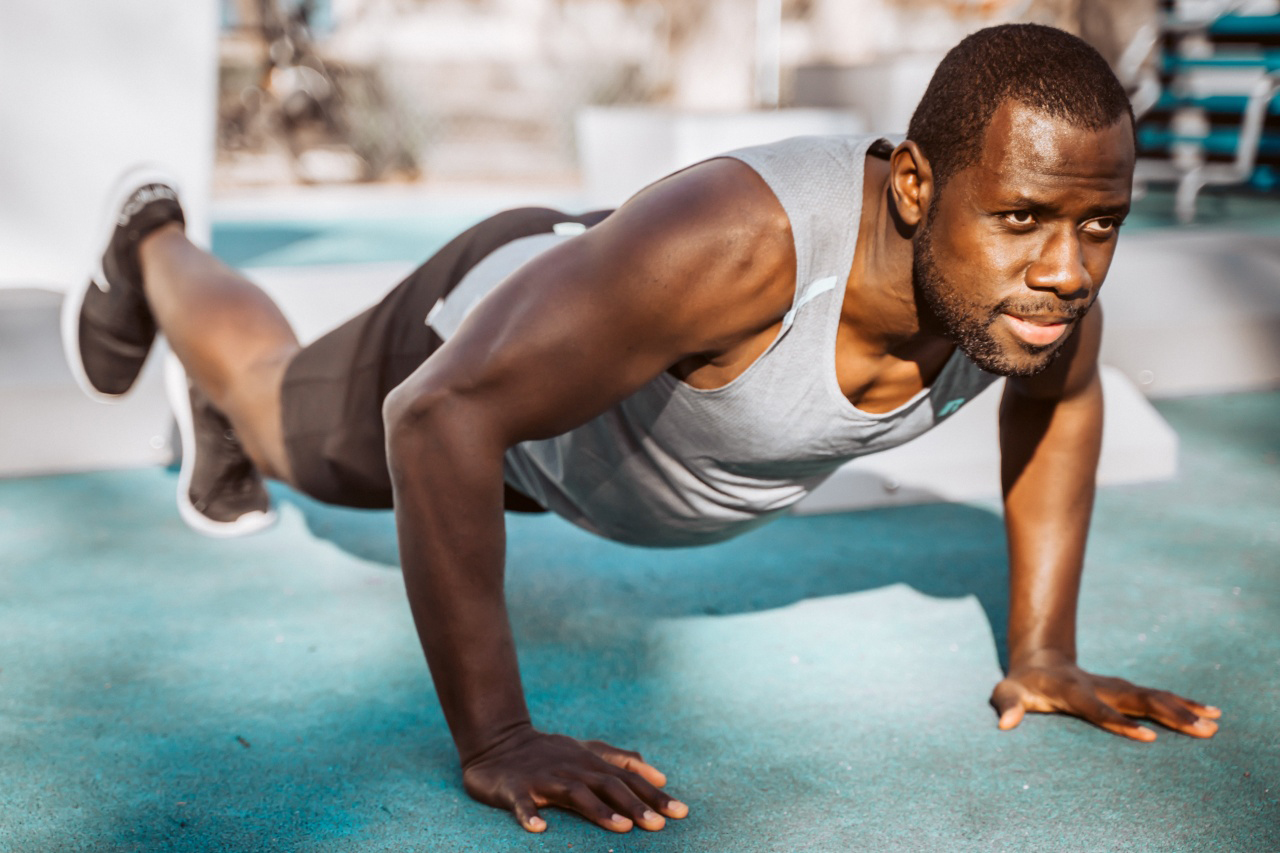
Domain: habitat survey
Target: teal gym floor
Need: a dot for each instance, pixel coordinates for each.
(817, 685)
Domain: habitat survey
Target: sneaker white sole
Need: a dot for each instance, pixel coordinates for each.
(175, 383)
(74, 298)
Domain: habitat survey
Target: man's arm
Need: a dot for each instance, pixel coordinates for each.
(692, 262)
(1050, 439)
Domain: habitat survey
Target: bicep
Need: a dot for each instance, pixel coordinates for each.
(550, 350)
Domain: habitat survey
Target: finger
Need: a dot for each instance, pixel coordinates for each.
(1007, 700)
(1142, 702)
(650, 777)
(1200, 728)
(1167, 709)
(1010, 718)
(526, 813)
(1089, 707)
(655, 796)
(614, 791)
(577, 797)
(1198, 708)
(627, 760)
(1174, 712)
(1115, 689)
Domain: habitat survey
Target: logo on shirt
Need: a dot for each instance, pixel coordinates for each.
(951, 407)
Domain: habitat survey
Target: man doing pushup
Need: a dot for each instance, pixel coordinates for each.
(676, 372)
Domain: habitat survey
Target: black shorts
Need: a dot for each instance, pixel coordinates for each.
(333, 390)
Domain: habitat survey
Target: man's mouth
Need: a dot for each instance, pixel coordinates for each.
(1036, 330)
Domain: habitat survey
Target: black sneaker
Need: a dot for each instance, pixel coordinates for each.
(107, 328)
(220, 492)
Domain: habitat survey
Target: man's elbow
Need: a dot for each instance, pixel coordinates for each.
(429, 423)
(415, 420)
(406, 411)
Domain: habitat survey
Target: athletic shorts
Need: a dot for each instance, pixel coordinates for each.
(333, 389)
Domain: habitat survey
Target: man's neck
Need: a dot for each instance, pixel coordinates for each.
(880, 309)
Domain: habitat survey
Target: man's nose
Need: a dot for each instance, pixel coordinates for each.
(1060, 267)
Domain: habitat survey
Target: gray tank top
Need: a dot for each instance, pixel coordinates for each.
(673, 465)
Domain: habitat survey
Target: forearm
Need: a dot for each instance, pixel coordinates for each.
(448, 482)
(1050, 455)
(1051, 450)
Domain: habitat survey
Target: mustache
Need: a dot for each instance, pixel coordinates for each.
(1048, 305)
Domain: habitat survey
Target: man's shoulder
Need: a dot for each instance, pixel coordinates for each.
(711, 244)
(720, 196)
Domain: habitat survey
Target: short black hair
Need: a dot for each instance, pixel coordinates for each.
(1043, 67)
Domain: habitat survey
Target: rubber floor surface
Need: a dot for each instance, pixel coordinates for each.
(818, 685)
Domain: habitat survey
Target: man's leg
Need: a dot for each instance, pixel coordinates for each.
(312, 417)
(231, 338)
(260, 404)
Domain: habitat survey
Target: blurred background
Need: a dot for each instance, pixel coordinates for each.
(498, 89)
(328, 146)
(318, 91)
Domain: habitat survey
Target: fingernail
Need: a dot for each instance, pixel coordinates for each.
(649, 814)
(617, 818)
(537, 823)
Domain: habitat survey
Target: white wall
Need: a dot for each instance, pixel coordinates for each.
(86, 89)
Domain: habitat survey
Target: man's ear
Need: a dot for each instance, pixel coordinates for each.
(910, 183)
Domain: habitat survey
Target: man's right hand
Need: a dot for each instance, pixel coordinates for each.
(611, 787)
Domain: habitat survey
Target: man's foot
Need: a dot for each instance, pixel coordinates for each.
(107, 328)
(220, 492)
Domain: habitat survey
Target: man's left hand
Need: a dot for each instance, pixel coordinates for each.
(1053, 683)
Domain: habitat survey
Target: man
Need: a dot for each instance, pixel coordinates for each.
(676, 372)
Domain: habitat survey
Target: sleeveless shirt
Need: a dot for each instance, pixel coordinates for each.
(674, 465)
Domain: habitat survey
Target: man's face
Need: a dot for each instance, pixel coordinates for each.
(1013, 251)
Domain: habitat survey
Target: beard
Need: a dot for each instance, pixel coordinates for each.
(945, 310)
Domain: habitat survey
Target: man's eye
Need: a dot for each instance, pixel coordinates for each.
(1103, 227)
(1020, 218)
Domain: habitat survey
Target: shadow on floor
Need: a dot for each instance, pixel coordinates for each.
(940, 550)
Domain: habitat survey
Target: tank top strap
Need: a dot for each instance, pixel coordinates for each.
(818, 182)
